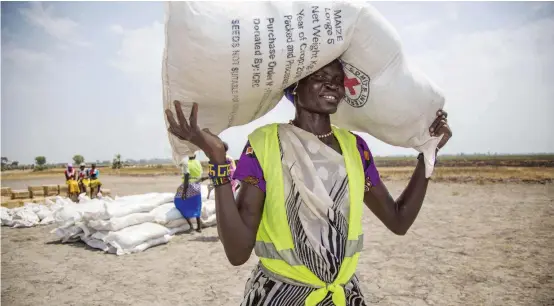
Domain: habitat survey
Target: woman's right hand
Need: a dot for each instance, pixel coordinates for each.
(209, 143)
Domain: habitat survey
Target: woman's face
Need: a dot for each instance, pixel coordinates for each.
(322, 91)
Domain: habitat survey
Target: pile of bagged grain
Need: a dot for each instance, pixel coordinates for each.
(123, 225)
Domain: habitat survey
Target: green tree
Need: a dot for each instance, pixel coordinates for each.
(40, 160)
(40, 163)
(116, 163)
(5, 163)
(78, 159)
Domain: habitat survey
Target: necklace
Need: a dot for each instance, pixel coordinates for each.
(316, 135)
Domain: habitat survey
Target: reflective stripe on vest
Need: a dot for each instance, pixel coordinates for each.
(274, 243)
(268, 250)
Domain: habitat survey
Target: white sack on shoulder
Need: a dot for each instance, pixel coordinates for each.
(251, 51)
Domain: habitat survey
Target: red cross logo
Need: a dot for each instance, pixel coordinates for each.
(350, 83)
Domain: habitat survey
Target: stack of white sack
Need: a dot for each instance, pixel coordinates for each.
(235, 59)
(31, 214)
(127, 224)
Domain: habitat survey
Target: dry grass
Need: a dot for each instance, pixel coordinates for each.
(479, 175)
(490, 245)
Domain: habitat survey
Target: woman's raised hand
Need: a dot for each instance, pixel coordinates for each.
(209, 143)
(440, 127)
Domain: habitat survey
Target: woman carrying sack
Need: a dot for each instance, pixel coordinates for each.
(300, 204)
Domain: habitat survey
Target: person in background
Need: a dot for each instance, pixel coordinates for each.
(72, 185)
(301, 200)
(188, 198)
(82, 178)
(94, 183)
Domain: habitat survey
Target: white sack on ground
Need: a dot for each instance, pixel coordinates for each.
(115, 224)
(99, 244)
(169, 216)
(71, 213)
(145, 245)
(155, 223)
(129, 205)
(6, 216)
(166, 213)
(208, 209)
(24, 217)
(130, 237)
(29, 215)
(243, 55)
(68, 234)
(179, 229)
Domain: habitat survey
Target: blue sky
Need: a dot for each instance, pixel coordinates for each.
(85, 77)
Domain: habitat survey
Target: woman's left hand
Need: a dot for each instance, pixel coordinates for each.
(440, 127)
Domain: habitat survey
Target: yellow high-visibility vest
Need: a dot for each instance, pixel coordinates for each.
(274, 244)
(195, 170)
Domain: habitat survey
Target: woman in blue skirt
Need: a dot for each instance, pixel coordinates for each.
(188, 198)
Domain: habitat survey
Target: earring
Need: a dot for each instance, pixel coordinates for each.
(294, 90)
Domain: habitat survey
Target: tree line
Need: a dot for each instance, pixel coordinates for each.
(42, 164)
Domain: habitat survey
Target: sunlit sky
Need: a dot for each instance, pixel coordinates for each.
(85, 77)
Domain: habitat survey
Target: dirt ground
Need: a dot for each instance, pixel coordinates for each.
(472, 244)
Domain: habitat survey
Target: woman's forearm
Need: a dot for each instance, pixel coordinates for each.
(237, 237)
(410, 201)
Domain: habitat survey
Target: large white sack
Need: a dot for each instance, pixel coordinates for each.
(43, 212)
(115, 224)
(70, 213)
(169, 216)
(179, 229)
(235, 59)
(68, 234)
(208, 208)
(143, 246)
(135, 235)
(6, 216)
(25, 217)
(176, 223)
(47, 220)
(166, 213)
(87, 231)
(32, 207)
(210, 221)
(130, 205)
(98, 244)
